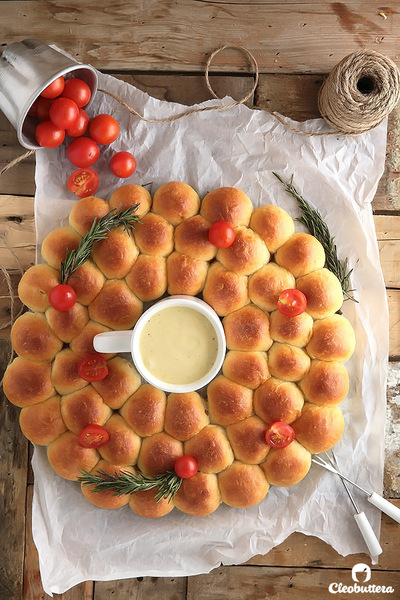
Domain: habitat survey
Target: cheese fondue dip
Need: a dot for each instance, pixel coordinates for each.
(178, 345)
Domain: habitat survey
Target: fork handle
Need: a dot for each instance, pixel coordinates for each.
(368, 534)
(385, 506)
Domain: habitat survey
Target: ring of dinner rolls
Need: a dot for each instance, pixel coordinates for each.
(277, 368)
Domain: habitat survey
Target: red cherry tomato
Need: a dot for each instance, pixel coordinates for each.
(279, 435)
(62, 297)
(64, 112)
(78, 91)
(104, 129)
(43, 108)
(79, 127)
(54, 89)
(221, 234)
(123, 164)
(292, 303)
(49, 135)
(185, 467)
(83, 152)
(93, 367)
(83, 182)
(93, 436)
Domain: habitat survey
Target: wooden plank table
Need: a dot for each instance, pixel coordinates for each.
(161, 47)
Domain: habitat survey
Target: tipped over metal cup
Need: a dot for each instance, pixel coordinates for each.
(26, 69)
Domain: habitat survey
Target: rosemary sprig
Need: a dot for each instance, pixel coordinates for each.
(98, 231)
(123, 482)
(314, 222)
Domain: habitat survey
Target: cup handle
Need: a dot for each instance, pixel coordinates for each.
(113, 341)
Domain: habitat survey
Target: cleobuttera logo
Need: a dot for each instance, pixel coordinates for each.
(360, 574)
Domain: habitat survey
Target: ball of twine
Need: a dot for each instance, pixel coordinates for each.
(360, 92)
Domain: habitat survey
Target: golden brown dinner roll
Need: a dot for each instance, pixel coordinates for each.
(287, 466)
(148, 277)
(292, 330)
(154, 235)
(87, 282)
(319, 427)
(42, 423)
(115, 254)
(198, 496)
(227, 204)
(85, 211)
(129, 195)
(277, 400)
(69, 323)
(287, 362)
(121, 382)
(323, 292)
(246, 368)
(301, 254)
(246, 254)
(35, 285)
(332, 339)
(266, 285)
(144, 411)
(123, 445)
(247, 439)
(64, 372)
(107, 498)
(228, 401)
(242, 485)
(185, 415)
(82, 408)
(210, 448)
(158, 454)
(55, 245)
(68, 458)
(247, 329)
(82, 344)
(176, 201)
(325, 383)
(273, 224)
(144, 504)
(27, 382)
(116, 306)
(224, 290)
(32, 337)
(185, 275)
(191, 238)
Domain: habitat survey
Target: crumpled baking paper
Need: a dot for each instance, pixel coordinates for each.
(235, 147)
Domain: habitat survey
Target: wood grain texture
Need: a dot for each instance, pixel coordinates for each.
(142, 588)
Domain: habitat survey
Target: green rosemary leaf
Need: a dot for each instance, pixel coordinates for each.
(313, 221)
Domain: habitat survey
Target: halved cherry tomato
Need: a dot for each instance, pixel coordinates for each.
(104, 129)
(83, 152)
(64, 112)
(54, 89)
(79, 127)
(292, 302)
(185, 466)
(77, 90)
(93, 367)
(62, 297)
(49, 135)
(279, 435)
(221, 234)
(93, 436)
(123, 164)
(83, 182)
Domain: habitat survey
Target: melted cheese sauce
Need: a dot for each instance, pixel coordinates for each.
(178, 345)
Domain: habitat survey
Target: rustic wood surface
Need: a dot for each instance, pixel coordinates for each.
(161, 47)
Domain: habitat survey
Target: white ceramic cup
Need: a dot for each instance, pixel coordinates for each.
(128, 341)
(26, 69)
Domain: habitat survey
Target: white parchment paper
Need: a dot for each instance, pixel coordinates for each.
(235, 147)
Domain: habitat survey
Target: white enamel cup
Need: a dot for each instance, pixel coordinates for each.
(128, 341)
(26, 69)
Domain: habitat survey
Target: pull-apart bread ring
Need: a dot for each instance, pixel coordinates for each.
(277, 368)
